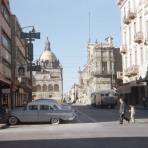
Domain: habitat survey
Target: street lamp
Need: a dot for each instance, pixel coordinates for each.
(30, 36)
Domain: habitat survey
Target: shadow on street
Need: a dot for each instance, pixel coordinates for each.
(115, 142)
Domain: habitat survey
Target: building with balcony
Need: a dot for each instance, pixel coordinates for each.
(5, 53)
(48, 83)
(21, 77)
(134, 35)
(99, 73)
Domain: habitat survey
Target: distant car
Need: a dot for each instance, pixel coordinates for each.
(42, 111)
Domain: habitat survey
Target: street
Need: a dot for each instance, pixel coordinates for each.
(93, 128)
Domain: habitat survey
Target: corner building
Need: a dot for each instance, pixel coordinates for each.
(134, 48)
(5, 53)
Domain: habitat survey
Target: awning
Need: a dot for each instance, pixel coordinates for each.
(124, 89)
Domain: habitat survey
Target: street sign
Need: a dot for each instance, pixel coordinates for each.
(35, 35)
(36, 68)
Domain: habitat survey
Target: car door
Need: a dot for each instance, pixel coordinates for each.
(44, 113)
(30, 114)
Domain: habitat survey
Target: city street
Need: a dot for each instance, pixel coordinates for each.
(93, 128)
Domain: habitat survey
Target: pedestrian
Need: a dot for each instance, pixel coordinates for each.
(122, 111)
(132, 113)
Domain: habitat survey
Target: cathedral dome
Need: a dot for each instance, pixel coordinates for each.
(48, 55)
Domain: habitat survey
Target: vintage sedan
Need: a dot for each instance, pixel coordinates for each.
(42, 111)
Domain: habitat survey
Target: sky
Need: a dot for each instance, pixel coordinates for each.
(66, 24)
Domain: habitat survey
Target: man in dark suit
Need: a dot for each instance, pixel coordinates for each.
(122, 111)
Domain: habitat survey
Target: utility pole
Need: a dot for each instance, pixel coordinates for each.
(31, 36)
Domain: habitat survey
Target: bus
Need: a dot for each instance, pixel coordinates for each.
(104, 98)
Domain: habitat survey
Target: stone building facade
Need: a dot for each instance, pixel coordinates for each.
(21, 78)
(99, 73)
(5, 53)
(48, 83)
(134, 48)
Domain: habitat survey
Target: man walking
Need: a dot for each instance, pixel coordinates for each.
(122, 111)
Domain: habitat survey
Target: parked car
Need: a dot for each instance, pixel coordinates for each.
(4, 112)
(63, 105)
(42, 111)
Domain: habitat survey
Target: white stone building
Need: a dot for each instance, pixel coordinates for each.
(134, 45)
(99, 73)
(48, 83)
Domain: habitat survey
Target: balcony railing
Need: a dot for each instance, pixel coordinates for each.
(134, 70)
(138, 38)
(131, 71)
(123, 49)
(131, 14)
(126, 20)
(127, 72)
(100, 73)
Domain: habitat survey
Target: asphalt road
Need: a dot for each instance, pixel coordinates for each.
(93, 128)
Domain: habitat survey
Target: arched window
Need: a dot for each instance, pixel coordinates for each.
(38, 88)
(44, 88)
(34, 89)
(50, 87)
(56, 87)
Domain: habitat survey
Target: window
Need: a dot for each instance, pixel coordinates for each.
(33, 107)
(104, 67)
(5, 13)
(125, 38)
(38, 88)
(50, 87)
(135, 56)
(130, 58)
(56, 87)
(140, 23)
(6, 41)
(134, 28)
(44, 107)
(44, 88)
(141, 54)
(129, 35)
(147, 30)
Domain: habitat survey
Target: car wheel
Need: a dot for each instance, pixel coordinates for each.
(12, 120)
(55, 121)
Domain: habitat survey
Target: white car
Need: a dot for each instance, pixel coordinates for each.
(42, 111)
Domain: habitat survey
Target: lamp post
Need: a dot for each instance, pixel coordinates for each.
(30, 36)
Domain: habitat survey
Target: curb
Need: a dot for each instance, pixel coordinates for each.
(3, 126)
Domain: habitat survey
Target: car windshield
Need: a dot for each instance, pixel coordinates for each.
(57, 107)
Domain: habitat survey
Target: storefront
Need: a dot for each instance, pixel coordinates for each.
(5, 94)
